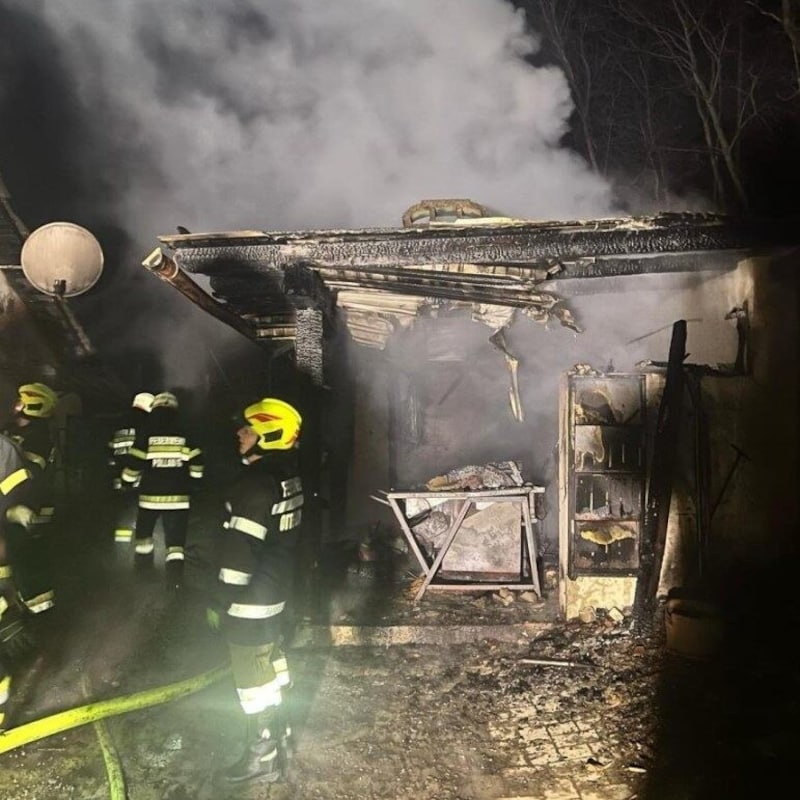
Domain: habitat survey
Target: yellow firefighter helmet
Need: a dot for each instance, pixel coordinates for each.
(36, 400)
(276, 423)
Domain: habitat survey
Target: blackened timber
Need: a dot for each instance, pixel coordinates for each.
(478, 277)
(659, 485)
(52, 317)
(702, 469)
(520, 299)
(539, 244)
(589, 267)
(165, 268)
(268, 286)
(334, 278)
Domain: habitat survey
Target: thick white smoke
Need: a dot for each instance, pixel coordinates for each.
(298, 114)
(304, 114)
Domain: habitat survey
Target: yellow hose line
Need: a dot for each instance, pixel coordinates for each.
(75, 717)
(116, 780)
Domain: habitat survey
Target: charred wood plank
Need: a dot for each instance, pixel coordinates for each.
(453, 277)
(167, 270)
(53, 318)
(518, 299)
(659, 485)
(702, 470)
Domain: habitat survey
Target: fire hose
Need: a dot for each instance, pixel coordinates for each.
(92, 712)
(116, 779)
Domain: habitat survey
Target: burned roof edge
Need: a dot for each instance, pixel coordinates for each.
(463, 229)
(538, 245)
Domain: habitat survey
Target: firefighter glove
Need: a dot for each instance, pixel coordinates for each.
(212, 618)
(21, 515)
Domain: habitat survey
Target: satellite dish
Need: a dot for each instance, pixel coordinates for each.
(62, 259)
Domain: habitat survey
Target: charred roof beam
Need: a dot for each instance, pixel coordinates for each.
(534, 245)
(165, 268)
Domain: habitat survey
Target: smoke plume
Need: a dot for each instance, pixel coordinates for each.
(296, 114)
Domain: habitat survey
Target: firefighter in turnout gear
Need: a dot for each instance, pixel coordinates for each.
(16, 483)
(164, 463)
(256, 559)
(122, 440)
(30, 525)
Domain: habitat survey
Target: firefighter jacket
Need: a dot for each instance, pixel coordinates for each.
(263, 513)
(164, 462)
(17, 489)
(122, 441)
(35, 441)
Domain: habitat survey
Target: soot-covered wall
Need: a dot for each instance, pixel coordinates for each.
(437, 397)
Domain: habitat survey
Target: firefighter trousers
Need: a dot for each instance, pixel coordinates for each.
(261, 676)
(175, 522)
(30, 557)
(124, 516)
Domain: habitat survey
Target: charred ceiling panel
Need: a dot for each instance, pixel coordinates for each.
(263, 295)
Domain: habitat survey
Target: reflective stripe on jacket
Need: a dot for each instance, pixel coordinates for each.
(257, 542)
(164, 462)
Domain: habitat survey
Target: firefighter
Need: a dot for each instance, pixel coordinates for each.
(29, 539)
(15, 639)
(122, 440)
(256, 559)
(164, 462)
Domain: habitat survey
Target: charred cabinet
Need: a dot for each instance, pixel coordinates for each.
(603, 469)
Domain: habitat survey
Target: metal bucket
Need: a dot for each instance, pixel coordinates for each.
(694, 627)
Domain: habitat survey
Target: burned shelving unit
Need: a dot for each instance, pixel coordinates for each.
(604, 477)
(608, 483)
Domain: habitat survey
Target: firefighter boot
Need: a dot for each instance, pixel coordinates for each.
(144, 554)
(173, 575)
(286, 743)
(261, 758)
(143, 562)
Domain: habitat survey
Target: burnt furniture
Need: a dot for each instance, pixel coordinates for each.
(495, 526)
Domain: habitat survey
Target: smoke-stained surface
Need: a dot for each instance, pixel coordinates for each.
(452, 385)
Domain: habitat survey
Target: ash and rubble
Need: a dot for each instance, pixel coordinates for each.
(570, 710)
(476, 696)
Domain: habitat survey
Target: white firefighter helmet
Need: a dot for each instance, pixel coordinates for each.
(143, 401)
(165, 400)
